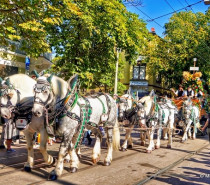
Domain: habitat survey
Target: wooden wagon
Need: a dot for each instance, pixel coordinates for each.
(179, 103)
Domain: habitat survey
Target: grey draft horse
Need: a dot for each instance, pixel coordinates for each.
(191, 115)
(17, 96)
(147, 118)
(132, 112)
(71, 114)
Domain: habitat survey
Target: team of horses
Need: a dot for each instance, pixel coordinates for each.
(52, 106)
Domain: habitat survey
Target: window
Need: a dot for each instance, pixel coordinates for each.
(139, 72)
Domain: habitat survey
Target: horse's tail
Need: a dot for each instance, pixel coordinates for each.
(116, 136)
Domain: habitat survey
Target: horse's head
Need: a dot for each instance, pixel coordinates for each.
(125, 103)
(141, 114)
(43, 95)
(187, 106)
(8, 98)
(50, 90)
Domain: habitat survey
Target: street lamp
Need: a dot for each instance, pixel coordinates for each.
(116, 72)
(194, 60)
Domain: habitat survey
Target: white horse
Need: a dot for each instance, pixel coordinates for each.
(152, 114)
(167, 113)
(191, 115)
(147, 117)
(133, 114)
(17, 94)
(73, 114)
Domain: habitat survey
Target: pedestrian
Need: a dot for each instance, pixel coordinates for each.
(189, 93)
(8, 129)
(2, 146)
(207, 125)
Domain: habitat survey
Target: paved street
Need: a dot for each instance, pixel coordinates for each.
(128, 167)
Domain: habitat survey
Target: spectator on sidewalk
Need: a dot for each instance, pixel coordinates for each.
(8, 135)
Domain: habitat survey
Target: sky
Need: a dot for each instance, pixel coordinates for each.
(151, 9)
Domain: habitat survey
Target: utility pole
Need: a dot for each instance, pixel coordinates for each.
(116, 72)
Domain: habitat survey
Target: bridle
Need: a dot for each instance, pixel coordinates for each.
(4, 92)
(40, 87)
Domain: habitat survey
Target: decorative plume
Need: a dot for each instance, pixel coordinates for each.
(34, 72)
(50, 78)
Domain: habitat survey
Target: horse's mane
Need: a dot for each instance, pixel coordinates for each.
(22, 83)
(130, 99)
(144, 99)
(59, 87)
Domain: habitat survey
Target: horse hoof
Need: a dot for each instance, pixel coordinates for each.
(52, 177)
(182, 141)
(149, 151)
(73, 169)
(157, 146)
(123, 149)
(168, 146)
(107, 163)
(27, 169)
(142, 144)
(130, 146)
(95, 160)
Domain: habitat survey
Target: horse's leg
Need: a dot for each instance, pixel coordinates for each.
(151, 141)
(165, 133)
(127, 136)
(194, 130)
(74, 162)
(170, 129)
(184, 138)
(43, 147)
(108, 158)
(59, 166)
(29, 139)
(97, 149)
(143, 137)
(159, 130)
(78, 151)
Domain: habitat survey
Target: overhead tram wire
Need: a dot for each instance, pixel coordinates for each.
(148, 16)
(194, 13)
(170, 5)
(181, 4)
(188, 4)
(150, 20)
(201, 42)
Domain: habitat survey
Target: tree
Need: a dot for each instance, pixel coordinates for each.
(85, 43)
(27, 22)
(186, 37)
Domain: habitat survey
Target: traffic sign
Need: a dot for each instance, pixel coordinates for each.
(194, 68)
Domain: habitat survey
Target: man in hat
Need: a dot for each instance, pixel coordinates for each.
(180, 92)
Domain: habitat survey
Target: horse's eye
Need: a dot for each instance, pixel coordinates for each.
(45, 92)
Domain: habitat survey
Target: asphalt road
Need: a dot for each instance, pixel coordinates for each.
(130, 167)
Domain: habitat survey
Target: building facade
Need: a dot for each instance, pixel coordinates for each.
(14, 62)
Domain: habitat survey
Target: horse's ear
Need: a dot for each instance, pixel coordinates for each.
(49, 78)
(152, 93)
(7, 82)
(73, 82)
(34, 72)
(1, 80)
